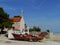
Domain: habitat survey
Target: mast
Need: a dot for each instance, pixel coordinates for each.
(22, 13)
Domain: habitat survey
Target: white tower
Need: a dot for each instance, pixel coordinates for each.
(22, 23)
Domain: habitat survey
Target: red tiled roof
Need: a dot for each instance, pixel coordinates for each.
(16, 29)
(16, 19)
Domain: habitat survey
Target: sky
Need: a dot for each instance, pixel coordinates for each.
(42, 13)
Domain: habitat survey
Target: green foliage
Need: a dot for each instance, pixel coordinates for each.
(31, 29)
(1, 10)
(48, 30)
(16, 16)
(7, 24)
(4, 19)
(37, 29)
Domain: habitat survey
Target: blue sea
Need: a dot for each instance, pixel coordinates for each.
(56, 32)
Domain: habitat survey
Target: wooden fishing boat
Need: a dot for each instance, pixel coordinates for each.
(28, 37)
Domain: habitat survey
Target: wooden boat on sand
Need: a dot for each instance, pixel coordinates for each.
(28, 37)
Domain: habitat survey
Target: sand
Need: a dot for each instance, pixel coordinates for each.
(6, 41)
(31, 43)
(56, 38)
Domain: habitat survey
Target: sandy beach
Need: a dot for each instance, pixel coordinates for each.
(5, 41)
(56, 38)
(31, 43)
